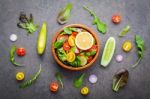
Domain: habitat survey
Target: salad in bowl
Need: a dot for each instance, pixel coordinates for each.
(75, 47)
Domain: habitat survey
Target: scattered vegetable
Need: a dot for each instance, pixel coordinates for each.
(108, 51)
(27, 23)
(124, 31)
(32, 80)
(116, 19)
(54, 86)
(79, 81)
(12, 56)
(64, 14)
(140, 47)
(120, 79)
(20, 76)
(93, 78)
(13, 37)
(21, 51)
(41, 44)
(85, 91)
(127, 46)
(101, 26)
(59, 78)
(119, 58)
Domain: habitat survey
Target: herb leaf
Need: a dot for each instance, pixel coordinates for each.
(32, 80)
(101, 26)
(61, 54)
(64, 14)
(76, 63)
(12, 56)
(68, 30)
(124, 31)
(59, 43)
(27, 23)
(120, 79)
(140, 47)
(79, 81)
(59, 78)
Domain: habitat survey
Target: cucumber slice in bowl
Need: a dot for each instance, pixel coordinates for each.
(83, 60)
(108, 51)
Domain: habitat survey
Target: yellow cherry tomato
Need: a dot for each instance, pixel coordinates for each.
(20, 76)
(71, 41)
(84, 90)
(127, 46)
(71, 56)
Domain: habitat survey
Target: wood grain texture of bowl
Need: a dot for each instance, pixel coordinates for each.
(70, 67)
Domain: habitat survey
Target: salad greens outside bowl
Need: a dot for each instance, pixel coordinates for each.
(68, 66)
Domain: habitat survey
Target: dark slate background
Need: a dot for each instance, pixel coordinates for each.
(135, 13)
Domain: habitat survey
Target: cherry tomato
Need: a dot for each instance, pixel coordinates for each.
(20, 76)
(116, 19)
(90, 59)
(66, 46)
(127, 46)
(65, 37)
(21, 51)
(94, 47)
(54, 86)
(85, 90)
(74, 34)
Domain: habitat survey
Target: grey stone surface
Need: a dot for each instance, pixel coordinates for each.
(135, 13)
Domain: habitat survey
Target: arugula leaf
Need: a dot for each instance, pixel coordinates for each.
(101, 26)
(64, 14)
(79, 81)
(124, 31)
(140, 47)
(120, 79)
(59, 78)
(61, 54)
(59, 43)
(32, 80)
(68, 30)
(12, 56)
(27, 23)
(76, 63)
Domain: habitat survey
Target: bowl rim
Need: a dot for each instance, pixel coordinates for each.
(70, 67)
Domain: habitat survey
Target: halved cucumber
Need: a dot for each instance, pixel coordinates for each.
(41, 44)
(108, 51)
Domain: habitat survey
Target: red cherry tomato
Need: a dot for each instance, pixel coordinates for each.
(90, 59)
(94, 47)
(65, 37)
(66, 46)
(116, 19)
(74, 34)
(21, 51)
(54, 86)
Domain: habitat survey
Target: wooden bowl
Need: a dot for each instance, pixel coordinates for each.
(70, 67)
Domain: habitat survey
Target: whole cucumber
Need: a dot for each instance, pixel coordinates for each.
(41, 44)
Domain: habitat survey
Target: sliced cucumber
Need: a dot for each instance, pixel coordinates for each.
(41, 44)
(108, 51)
(83, 60)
